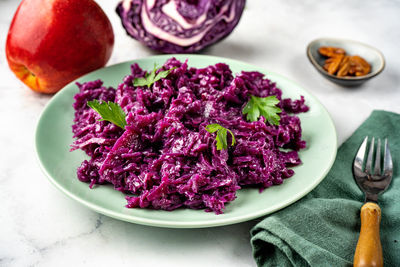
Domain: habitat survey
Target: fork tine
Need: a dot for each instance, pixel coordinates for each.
(358, 161)
(369, 158)
(377, 168)
(387, 161)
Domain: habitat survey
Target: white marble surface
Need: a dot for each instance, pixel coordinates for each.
(40, 226)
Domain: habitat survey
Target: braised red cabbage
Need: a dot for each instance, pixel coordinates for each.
(179, 26)
(165, 158)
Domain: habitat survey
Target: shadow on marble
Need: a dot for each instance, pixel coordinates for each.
(233, 239)
(232, 49)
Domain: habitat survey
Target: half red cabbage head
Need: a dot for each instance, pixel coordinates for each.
(179, 26)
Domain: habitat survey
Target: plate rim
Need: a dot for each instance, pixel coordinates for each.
(185, 224)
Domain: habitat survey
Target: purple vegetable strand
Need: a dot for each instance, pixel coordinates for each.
(166, 158)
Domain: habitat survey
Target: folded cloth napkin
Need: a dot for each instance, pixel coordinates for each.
(322, 229)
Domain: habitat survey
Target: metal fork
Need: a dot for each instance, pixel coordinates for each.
(372, 182)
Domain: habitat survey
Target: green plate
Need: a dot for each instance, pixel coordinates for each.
(54, 136)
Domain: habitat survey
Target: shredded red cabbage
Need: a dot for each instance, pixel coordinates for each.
(165, 158)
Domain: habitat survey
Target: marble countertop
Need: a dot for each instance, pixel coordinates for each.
(40, 226)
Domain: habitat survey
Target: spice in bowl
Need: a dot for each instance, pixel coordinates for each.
(342, 65)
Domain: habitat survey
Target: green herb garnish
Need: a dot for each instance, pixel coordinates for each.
(151, 77)
(263, 106)
(221, 138)
(110, 111)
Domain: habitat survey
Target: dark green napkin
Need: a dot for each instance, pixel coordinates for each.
(322, 228)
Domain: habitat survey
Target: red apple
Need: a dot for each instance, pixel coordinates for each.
(52, 42)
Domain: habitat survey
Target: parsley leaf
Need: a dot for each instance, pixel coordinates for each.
(221, 138)
(151, 77)
(264, 106)
(110, 111)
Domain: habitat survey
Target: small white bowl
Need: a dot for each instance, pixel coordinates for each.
(370, 54)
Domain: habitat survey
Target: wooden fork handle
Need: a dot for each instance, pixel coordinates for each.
(369, 248)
